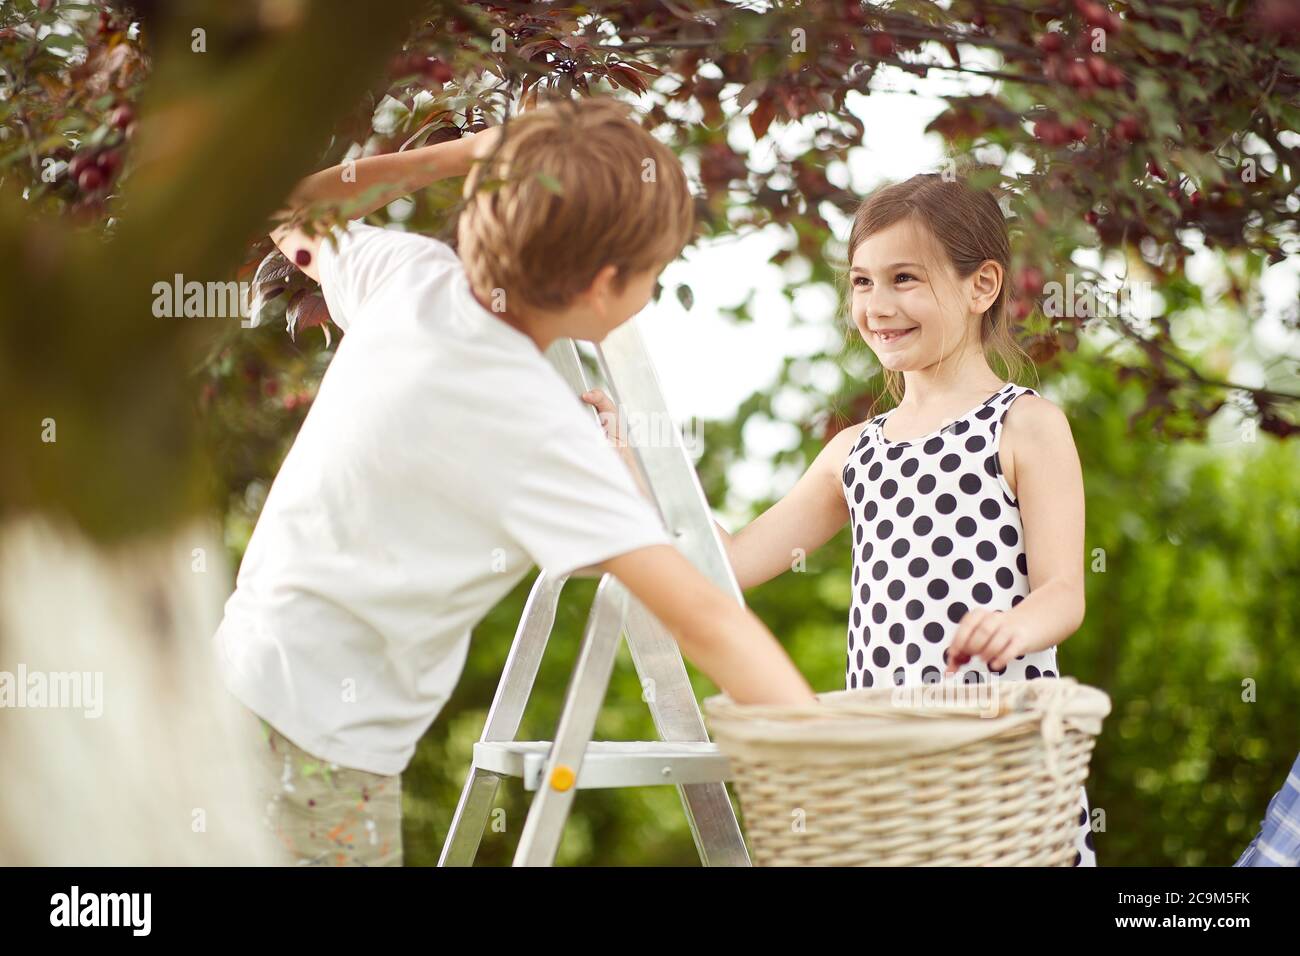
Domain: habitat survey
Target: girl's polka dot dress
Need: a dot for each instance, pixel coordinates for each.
(936, 532)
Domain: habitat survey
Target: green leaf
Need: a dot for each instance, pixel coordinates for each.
(1190, 20)
(1157, 39)
(685, 296)
(1192, 88)
(1155, 94)
(551, 183)
(61, 42)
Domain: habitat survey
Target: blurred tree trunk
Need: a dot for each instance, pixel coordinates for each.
(106, 567)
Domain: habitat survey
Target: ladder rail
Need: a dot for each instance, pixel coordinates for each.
(676, 714)
(672, 479)
(465, 832)
(670, 474)
(544, 827)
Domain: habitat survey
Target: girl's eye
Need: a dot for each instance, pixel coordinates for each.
(861, 281)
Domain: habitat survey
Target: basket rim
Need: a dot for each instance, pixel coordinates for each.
(875, 713)
(900, 701)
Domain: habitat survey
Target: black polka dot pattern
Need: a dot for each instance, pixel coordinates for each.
(937, 525)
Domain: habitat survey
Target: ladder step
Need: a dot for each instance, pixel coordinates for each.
(610, 763)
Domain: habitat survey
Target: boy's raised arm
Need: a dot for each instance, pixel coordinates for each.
(377, 180)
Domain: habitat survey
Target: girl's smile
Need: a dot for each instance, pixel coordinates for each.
(893, 338)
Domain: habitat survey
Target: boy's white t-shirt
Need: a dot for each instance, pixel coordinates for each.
(442, 457)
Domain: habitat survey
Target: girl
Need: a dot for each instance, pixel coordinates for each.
(966, 499)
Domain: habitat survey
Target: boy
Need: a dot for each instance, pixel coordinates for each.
(443, 455)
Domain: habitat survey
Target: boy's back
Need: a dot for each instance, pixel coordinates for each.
(442, 457)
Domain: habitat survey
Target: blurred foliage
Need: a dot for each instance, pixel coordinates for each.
(1137, 146)
(133, 149)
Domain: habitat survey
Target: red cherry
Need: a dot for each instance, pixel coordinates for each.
(270, 388)
(1051, 132)
(1031, 280)
(1129, 128)
(109, 161)
(439, 72)
(1098, 68)
(1079, 129)
(1155, 169)
(1196, 197)
(302, 257)
(1277, 16)
(1094, 13)
(1050, 43)
(882, 44)
(90, 179)
(1078, 75)
(122, 116)
(1090, 217)
(78, 163)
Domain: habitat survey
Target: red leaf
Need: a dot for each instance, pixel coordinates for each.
(644, 67)
(628, 77)
(307, 310)
(761, 118)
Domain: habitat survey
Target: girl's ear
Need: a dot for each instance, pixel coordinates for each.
(985, 285)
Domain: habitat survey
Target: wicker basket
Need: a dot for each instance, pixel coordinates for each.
(944, 774)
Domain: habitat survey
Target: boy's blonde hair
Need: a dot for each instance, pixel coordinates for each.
(572, 188)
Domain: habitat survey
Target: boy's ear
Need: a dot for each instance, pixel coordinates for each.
(603, 283)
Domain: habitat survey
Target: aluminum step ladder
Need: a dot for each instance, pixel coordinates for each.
(683, 755)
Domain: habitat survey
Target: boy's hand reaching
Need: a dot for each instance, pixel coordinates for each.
(616, 434)
(607, 412)
(610, 420)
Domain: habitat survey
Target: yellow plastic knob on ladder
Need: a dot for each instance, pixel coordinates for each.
(562, 778)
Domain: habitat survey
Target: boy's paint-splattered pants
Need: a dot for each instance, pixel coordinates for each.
(322, 814)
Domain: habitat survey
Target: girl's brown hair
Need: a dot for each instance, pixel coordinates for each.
(969, 226)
